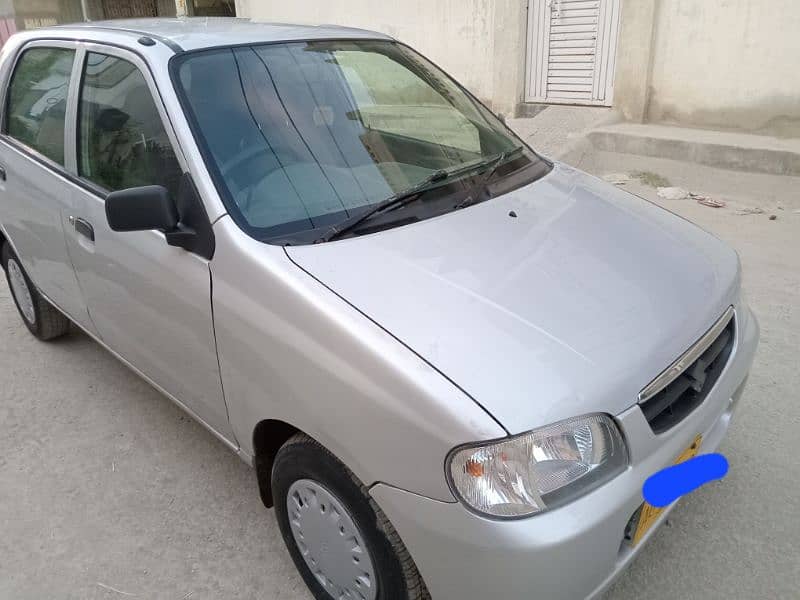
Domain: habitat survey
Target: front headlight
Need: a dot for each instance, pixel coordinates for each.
(536, 471)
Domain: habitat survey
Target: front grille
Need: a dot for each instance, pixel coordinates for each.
(689, 380)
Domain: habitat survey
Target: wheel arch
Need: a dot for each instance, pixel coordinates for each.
(269, 436)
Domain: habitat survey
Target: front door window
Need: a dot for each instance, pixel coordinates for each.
(122, 142)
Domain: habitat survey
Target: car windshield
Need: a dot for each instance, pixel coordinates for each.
(301, 136)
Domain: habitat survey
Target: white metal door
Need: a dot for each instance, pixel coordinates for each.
(571, 51)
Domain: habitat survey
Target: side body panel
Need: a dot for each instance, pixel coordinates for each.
(153, 300)
(292, 350)
(151, 304)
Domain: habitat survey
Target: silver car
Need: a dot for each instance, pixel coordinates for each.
(451, 361)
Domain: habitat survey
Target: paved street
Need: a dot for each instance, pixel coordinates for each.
(109, 491)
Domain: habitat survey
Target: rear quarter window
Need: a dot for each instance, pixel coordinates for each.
(37, 100)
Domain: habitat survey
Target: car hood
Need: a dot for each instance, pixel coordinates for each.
(570, 307)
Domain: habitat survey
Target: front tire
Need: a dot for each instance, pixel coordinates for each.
(40, 317)
(340, 540)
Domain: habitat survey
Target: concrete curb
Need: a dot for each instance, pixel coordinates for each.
(760, 154)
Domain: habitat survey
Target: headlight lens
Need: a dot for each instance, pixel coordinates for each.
(538, 470)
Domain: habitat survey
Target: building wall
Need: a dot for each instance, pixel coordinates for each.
(480, 42)
(166, 8)
(634, 53)
(40, 13)
(727, 63)
(99, 9)
(19, 15)
(706, 63)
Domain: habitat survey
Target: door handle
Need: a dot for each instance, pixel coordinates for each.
(2, 173)
(84, 228)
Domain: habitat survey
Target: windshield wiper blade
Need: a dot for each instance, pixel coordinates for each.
(411, 194)
(395, 201)
(493, 165)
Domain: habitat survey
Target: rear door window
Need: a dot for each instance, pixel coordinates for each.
(122, 142)
(37, 100)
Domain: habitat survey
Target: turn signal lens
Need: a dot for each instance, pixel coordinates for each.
(474, 468)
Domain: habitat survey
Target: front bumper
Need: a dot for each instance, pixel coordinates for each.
(575, 551)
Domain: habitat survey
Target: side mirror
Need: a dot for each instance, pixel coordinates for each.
(183, 220)
(141, 209)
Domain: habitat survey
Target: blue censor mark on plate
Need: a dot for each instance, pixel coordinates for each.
(669, 484)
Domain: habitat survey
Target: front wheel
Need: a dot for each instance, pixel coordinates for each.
(340, 540)
(40, 317)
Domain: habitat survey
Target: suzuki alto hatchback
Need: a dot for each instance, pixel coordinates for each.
(451, 361)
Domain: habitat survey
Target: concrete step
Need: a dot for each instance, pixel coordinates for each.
(727, 150)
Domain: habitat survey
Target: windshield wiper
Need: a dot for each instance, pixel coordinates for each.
(397, 200)
(493, 165)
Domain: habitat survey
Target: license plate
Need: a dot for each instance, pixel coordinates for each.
(650, 513)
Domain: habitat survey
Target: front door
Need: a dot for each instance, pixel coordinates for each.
(151, 302)
(571, 51)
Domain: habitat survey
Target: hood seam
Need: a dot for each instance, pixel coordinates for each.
(401, 342)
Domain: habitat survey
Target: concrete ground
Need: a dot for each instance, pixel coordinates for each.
(107, 491)
(557, 129)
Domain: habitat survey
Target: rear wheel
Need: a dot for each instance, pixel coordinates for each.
(340, 540)
(40, 317)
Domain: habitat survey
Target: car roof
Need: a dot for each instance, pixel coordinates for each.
(193, 33)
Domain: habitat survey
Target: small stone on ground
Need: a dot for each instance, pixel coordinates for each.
(617, 178)
(672, 193)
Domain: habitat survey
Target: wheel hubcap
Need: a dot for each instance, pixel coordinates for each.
(331, 544)
(21, 292)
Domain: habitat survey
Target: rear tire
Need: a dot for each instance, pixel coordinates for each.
(40, 317)
(304, 470)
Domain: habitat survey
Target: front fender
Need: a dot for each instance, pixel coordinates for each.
(292, 350)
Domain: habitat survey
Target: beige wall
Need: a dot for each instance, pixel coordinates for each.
(480, 42)
(727, 63)
(634, 50)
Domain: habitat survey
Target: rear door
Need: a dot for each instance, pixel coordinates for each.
(151, 302)
(35, 189)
